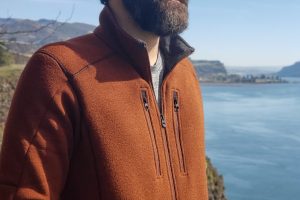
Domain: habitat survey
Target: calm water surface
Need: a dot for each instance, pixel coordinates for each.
(253, 138)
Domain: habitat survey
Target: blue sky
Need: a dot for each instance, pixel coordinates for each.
(236, 32)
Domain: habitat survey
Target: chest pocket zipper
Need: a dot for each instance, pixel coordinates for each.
(178, 134)
(151, 131)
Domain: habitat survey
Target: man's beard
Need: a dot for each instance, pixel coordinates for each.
(161, 17)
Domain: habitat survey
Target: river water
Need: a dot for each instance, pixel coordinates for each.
(253, 139)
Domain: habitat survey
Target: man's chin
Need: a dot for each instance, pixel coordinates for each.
(169, 32)
(176, 3)
(168, 17)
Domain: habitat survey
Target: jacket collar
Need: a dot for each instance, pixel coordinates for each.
(173, 48)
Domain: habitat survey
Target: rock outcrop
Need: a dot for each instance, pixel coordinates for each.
(208, 68)
(290, 71)
(216, 186)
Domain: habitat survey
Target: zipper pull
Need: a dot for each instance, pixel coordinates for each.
(163, 121)
(145, 99)
(176, 104)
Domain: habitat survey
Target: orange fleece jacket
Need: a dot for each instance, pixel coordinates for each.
(84, 123)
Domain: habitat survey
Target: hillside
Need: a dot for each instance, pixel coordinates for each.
(290, 71)
(51, 31)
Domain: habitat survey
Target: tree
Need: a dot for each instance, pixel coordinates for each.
(5, 57)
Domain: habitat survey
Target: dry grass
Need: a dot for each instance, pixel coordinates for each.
(11, 70)
(9, 76)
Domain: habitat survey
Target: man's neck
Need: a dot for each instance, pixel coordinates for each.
(131, 27)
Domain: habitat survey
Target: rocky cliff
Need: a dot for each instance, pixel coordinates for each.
(216, 186)
(208, 68)
(290, 71)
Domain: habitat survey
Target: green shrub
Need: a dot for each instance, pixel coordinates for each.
(5, 57)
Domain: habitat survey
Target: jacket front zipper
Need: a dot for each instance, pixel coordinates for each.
(178, 135)
(168, 157)
(151, 131)
(165, 145)
(160, 110)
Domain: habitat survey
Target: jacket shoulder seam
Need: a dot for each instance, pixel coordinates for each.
(69, 74)
(92, 63)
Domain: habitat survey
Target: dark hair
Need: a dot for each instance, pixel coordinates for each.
(105, 2)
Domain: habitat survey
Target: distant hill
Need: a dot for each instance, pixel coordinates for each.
(27, 43)
(290, 71)
(207, 68)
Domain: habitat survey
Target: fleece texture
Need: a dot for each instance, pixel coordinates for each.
(84, 123)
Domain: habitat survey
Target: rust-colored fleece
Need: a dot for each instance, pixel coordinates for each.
(84, 123)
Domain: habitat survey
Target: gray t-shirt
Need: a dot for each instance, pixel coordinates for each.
(157, 76)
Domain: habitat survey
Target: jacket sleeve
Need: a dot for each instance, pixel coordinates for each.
(39, 133)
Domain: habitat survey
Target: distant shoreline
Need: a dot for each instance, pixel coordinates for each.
(240, 84)
(285, 80)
